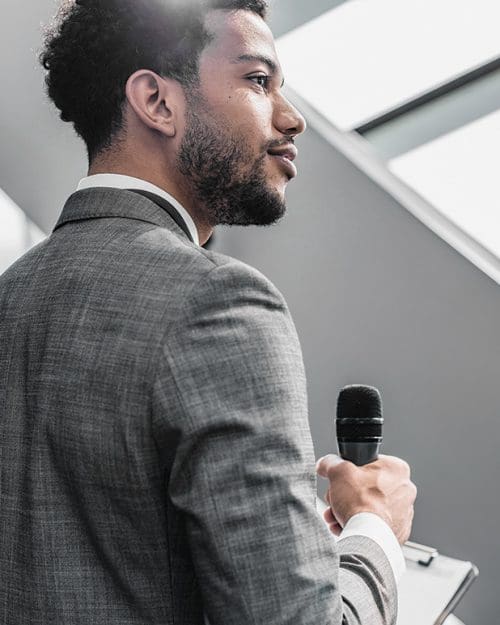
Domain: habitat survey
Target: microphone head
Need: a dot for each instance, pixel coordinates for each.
(359, 413)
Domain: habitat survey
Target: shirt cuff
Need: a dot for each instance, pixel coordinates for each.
(374, 527)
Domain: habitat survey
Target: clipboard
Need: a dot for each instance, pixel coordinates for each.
(432, 586)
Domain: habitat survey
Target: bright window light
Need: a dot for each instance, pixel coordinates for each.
(17, 233)
(366, 57)
(458, 174)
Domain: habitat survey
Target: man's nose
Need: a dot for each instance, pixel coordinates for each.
(289, 121)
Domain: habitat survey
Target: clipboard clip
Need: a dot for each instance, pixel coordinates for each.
(419, 553)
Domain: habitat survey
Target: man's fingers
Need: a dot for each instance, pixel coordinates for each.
(333, 525)
(328, 516)
(383, 487)
(325, 464)
(335, 528)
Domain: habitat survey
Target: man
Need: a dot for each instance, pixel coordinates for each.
(155, 452)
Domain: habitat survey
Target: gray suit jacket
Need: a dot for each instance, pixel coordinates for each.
(155, 454)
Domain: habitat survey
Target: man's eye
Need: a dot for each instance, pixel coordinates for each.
(262, 80)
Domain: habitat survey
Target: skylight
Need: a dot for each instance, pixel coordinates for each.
(458, 174)
(366, 57)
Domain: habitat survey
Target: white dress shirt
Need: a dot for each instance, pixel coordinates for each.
(374, 527)
(363, 524)
(119, 181)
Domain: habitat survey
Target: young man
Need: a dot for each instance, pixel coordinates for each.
(155, 453)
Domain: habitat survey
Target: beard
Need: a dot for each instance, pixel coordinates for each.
(212, 161)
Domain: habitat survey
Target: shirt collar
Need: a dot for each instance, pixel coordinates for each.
(119, 181)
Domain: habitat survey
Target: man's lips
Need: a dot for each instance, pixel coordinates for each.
(286, 155)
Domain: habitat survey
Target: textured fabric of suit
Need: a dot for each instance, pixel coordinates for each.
(155, 454)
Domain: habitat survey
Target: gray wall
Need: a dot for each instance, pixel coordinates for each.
(41, 159)
(378, 299)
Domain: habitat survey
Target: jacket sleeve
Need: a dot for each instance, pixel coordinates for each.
(231, 391)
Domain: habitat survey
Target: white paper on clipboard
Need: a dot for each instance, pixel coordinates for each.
(429, 592)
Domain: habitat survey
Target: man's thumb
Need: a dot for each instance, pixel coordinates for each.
(324, 464)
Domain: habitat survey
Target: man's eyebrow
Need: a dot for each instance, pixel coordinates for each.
(244, 58)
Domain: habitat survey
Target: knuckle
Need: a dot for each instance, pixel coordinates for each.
(401, 467)
(395, 464)
(414, 490)
(320, 465)
(404, 466)
(330, 471)
(338, 469)
(327, 464)
(348, 471)
(334, 474)
(383, 461)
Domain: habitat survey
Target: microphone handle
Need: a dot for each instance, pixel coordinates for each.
(360, 452)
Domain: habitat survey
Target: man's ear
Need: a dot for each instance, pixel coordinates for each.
(156, 101)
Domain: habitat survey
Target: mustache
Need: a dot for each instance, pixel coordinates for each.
(278, 143)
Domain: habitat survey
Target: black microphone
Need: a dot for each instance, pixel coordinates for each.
(359, 423)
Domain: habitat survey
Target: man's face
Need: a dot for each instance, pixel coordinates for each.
(237, 149)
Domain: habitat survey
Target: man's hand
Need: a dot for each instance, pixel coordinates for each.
(382, 487)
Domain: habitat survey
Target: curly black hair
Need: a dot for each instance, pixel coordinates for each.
(93, 46)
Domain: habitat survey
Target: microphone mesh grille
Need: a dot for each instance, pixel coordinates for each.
(359, 402)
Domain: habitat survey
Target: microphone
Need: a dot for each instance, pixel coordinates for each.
(359, 423)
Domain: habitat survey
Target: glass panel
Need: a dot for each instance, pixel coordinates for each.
(438, 117)
(458, 174)
(287, 14)
(365, 57)
(17, 233)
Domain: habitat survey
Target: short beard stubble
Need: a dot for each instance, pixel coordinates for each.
(212, 160)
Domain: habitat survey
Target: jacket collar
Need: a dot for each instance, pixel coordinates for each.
(101, 202)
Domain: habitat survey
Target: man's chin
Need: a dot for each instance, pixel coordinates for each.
(255, 213)
(261, 219)
(251, 202)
